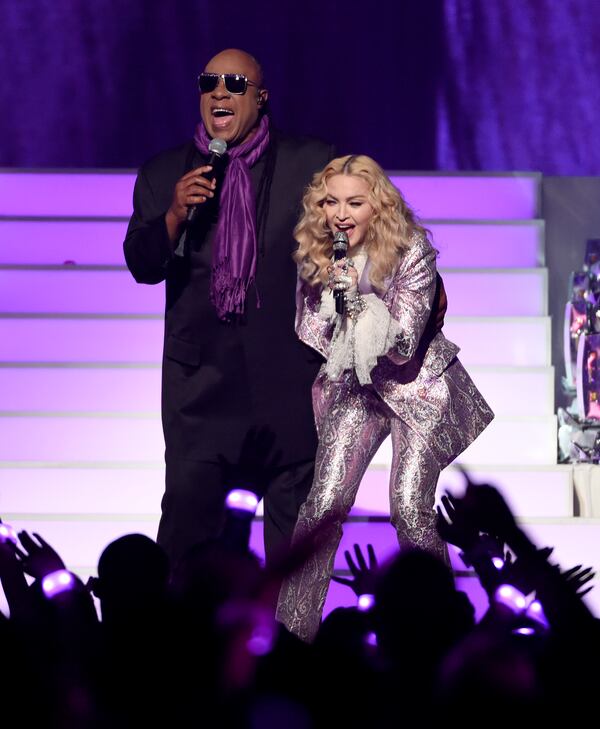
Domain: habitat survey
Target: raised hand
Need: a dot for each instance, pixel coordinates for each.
(363, 575)
(455, 525)
(38, 558)
(490, 511)
(577, 577)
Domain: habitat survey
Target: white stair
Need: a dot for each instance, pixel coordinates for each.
(81, 343)
(496, 341)
(82, 290)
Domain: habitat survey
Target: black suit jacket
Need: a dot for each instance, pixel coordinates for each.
(220, 379)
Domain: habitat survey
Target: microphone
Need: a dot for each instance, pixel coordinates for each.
(217, 149)
(340, 249)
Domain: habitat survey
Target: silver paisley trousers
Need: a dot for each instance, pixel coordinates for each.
(420, 394)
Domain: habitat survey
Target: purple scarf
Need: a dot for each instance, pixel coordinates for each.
(234, 248)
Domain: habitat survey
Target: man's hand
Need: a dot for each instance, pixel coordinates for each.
(192, 189)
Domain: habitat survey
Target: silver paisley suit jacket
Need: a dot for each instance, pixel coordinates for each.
(420, 378)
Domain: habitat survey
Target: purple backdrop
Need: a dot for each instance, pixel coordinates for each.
(418, 84)
(521, 90)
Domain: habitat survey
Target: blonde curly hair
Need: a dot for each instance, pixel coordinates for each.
(390, 232)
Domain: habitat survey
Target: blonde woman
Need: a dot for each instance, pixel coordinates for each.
(387, 370)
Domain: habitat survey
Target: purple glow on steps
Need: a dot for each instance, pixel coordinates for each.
(523, 341)
(477, 197)
(490, 293)
(61, 194)
(52, 242)
(461, 245)
(441, 196)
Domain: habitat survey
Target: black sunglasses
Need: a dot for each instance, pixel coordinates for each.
(235, 83)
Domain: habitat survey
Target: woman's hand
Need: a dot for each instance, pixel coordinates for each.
(343, 276)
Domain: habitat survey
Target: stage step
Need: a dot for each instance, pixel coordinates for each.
(67, 193)
(134, 488)
(433, 195)
(51, 241)
(503, 341)
(138, 437)
(474, 195)
(515, 390)
(487, 244)
(83, 290)
(130, 388)
(524, 440)
(461, 243)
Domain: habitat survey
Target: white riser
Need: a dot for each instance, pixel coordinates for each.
(53, 242)
(521, 341)
(461, 244)
(81, 389)
(67, 193)
(505, 292)
(516, 341)
(81, 340)
(498, 292)
(473, 196)
(540, 491)
(80, 439)
(506, 441)
(519, 391)
(438, 195)
(134, 490)
(516, 391)
(490, 244)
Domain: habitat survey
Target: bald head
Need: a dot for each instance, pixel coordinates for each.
(233, 117)
(238, 59)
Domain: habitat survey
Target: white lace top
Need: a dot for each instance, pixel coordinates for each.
(357, 343)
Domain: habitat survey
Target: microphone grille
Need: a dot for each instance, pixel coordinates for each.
(340, 241)
(217, 146)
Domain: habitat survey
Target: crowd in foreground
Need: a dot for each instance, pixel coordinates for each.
(196, 643)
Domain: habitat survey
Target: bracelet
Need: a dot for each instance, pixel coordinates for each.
(355, 305)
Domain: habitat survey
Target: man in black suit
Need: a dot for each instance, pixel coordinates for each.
(231, 359)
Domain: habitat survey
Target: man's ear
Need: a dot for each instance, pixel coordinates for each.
(262, 97)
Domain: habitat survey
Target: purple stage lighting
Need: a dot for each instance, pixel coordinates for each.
(7, 534)
(535, 611)
(57, 582)
(261, 641)
(242, 500)
(498, 562)
(524, 631)
(371, 640)
(365, 602)
(512, 598)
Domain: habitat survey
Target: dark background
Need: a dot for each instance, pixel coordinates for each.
(417, 84)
